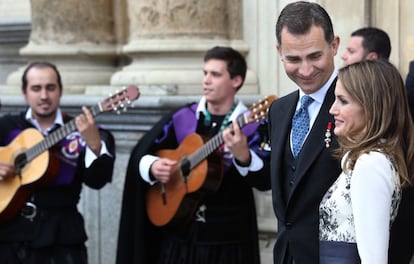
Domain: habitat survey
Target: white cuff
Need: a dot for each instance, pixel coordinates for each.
(256, 164)
(145, 166)
(91, 157)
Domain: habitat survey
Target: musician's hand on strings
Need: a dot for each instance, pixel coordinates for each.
(163, 168)
(6, 170)
(236, 142)
(86, 126)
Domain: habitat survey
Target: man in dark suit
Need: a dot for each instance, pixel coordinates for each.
(307, 46)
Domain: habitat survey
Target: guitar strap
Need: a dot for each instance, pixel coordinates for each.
(67, 152)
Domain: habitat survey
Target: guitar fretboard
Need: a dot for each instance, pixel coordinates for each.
(55, 137)
(215, 142)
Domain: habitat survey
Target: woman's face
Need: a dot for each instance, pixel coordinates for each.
(348, 114)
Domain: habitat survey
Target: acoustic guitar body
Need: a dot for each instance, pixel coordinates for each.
(14, 191)
(183, 192)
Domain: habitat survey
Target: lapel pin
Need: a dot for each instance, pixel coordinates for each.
(328, 135)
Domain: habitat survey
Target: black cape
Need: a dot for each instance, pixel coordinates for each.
(138, 240)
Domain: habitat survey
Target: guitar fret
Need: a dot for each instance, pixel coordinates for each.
(208, 148)
(243, 120)
(31, 153)
(95, 110)
(216, 143)
(213, 144)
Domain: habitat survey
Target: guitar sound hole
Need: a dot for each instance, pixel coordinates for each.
(185, 167)
(20, 162)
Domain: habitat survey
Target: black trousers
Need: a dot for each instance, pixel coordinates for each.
(288, 257)
(401, 248)
(22, 253)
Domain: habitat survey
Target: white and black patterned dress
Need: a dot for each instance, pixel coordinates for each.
(357, 211)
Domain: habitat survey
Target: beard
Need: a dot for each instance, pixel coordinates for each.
(47, 114)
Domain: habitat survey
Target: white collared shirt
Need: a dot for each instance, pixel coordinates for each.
(318, 98)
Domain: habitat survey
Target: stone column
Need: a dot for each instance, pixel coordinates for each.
(168, 38)
(76, 35)
(14, 34)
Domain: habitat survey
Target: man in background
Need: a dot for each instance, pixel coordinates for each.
(368, 43)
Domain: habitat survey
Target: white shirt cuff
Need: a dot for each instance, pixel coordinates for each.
(256, 164)
(91, 157)
(144, 167)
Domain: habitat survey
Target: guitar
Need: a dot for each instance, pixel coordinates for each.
(176, 201)
(29, 153)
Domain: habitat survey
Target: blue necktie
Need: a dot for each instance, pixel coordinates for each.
(300, 124)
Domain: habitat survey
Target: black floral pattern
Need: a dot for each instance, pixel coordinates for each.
(336, 221)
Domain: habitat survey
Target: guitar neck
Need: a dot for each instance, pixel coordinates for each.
(215, 142)
(56, 136)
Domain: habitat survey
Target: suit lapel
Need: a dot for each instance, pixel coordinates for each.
(284, 117)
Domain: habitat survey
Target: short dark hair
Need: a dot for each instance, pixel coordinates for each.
(298, 18)
(236, 63)
(40, 64)
(374, 40)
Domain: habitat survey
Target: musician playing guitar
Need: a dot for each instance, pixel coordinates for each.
(222, 227)
(48, 228)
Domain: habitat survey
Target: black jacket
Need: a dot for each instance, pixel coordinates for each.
(313, 172)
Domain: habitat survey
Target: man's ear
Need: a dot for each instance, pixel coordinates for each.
(335, 45)
(372, 56)
(237, 81)
(279, 51)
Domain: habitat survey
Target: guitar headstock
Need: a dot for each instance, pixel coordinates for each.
(260, 109)
(120, 100)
